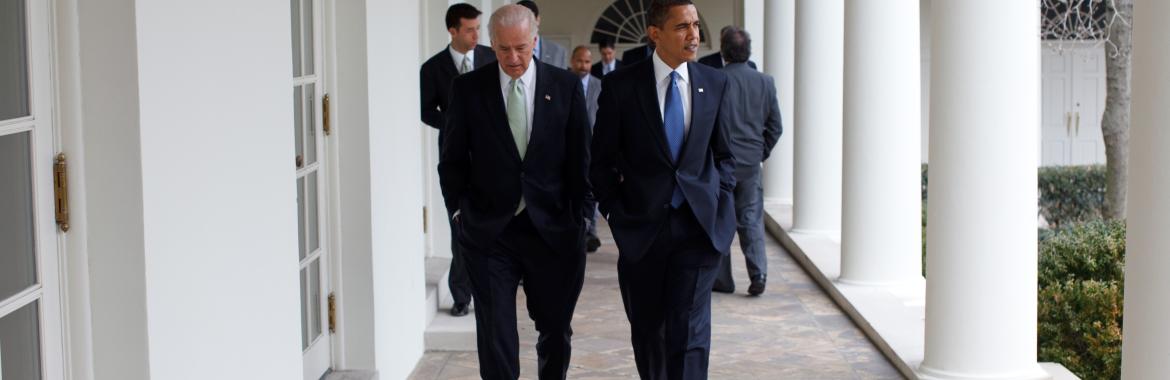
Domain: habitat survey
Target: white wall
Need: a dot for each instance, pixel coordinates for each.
(218, 187)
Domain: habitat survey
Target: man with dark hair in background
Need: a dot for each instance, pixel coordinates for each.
(663, 175)
(752, 116)
(462, 55)
(716, 59)
(591, 87)
(546, 51)
(608, 62)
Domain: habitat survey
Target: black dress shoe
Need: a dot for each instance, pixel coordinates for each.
(723, 289)
(757, 287)
(459, 310)
(592, 244)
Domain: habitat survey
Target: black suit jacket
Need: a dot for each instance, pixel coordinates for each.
(716, 60)
(632, 173)
(634, 55)
(483, 177)
(596, 70)
(435, 78)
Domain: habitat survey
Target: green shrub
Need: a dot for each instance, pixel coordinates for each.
(1080, 298)
(1071, 194)
(1080, 327)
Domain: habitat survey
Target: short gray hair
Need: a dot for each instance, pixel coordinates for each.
(511, 15)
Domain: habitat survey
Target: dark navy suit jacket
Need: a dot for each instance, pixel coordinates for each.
(632, 173)
(483, 177)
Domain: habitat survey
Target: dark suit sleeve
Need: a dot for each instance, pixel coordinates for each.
(577, 151)
(454, 157)
(430, 98)
(721, 152)
(772, 125)
(603, 171)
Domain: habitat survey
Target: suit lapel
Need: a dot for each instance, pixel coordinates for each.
(540, 102)
(648, 98)
(699, 116)
(498, 113)
(447, 64)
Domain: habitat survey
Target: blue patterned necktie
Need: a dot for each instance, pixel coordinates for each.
(672, 119)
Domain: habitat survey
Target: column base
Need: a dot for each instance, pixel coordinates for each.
(1035, 372)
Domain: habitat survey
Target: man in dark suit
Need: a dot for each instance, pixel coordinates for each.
(579, 65)
(435, 76)
(663, 175)
(546, 51)
(608, 62)
(637, 54)
(513, 171)
(716, 59)
(752, 116)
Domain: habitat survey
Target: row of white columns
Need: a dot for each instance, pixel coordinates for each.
(857, 104)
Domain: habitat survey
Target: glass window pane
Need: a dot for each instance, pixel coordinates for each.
(312, 208)
(315, 300)
(299, 125)
(301, 218)
(296, 37)
(20, 344)
(307, 37)
(304, 312)
(310, 124)
(18, 269)
(14, 96)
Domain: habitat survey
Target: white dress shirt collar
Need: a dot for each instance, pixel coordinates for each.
(662, 71)
(529, 81)
(458, 57)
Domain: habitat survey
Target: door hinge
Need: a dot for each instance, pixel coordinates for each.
(61, 192)
(332, 313)
(424, 219)
(328, 129)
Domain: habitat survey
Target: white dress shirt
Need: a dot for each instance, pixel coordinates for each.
(662, 79)
(458, 58)
(607, 68)
(529, 81)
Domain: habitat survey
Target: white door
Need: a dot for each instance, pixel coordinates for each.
(30, 303)
(1073, 99)
(307, 93)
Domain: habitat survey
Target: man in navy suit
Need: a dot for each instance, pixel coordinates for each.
(435, 76)
(513, 170)
(663, 176)
(637, 53)
(608, 62)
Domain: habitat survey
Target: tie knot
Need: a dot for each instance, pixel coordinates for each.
(674, 76)
(516, 83)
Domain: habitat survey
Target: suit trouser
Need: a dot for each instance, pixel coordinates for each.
(552, 283)
(749, 220)
(458, 279)
(667, 296)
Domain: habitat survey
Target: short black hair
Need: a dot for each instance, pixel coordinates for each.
(605, 43)
(660, 10)
(531, 6)
(735, 45)
(458, 12)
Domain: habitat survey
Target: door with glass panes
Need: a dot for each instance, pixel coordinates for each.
(311, 179)
(30, 303)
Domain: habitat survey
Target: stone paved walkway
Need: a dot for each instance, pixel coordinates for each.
(793, 331)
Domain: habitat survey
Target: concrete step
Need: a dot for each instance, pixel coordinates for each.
(448, 333)
(351, 375)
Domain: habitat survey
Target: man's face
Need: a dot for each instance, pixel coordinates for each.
(513, 46)
(466, 35)
(582, 60)
(607, 54)
(677, 41)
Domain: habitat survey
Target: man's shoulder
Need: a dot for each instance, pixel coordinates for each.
(708, 72)
(482, 51)
(439, 58)
(475, 77)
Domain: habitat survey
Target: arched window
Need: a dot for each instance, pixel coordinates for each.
(624, 22)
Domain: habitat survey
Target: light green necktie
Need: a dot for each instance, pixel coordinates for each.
(465, 66)
(518, 122)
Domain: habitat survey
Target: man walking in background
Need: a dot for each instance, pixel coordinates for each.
(717, 59)
(591, 86)
(752, 116)
(513, 170)
(435, 76)
(609, 61)
(546, 51)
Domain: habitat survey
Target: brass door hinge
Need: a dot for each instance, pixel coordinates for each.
(332, 313)
(325, 116)
(424, 219)
(61, 192)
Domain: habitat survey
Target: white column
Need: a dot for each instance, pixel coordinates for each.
(779, 61)
(981, 263)
(1146, 344)
(817, 175)
(881, 228)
